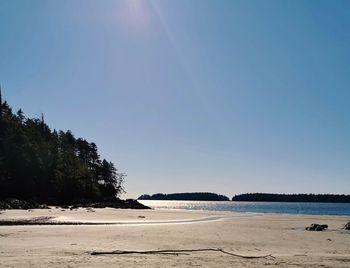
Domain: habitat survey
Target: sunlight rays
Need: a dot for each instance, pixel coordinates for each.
(135, 13)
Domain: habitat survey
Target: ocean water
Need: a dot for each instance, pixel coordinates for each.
(255, 207)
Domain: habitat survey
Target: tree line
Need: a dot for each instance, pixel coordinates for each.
(186, 197)
(266, 197)
(49, 166)
(254, 197)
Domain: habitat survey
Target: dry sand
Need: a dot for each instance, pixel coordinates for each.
(283, 236)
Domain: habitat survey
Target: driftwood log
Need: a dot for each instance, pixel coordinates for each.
(177, 252)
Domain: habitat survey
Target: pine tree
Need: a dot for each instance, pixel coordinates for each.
(42, 124)
(0, 103)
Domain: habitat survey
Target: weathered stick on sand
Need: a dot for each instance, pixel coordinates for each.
(176, 252)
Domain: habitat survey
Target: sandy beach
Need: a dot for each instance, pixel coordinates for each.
(282, 236)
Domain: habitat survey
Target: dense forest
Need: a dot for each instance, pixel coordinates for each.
(49, 166)
(186, 197)
(264, 197)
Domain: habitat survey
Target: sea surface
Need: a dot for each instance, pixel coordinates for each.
(255, 207)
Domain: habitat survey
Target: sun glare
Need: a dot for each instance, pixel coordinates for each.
(135, 13)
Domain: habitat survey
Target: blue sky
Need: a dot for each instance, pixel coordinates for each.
(221, 96)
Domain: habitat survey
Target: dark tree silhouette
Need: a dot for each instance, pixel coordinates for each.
(266, 197)
(186, 196)
(49, 166)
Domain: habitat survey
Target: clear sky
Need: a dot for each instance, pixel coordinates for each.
(191, 95)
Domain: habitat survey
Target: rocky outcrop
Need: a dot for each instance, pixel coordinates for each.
(317, 227)
(13, 203)
(347, 226)
(118, 203)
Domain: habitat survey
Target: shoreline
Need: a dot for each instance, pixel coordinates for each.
(22, 212)
(254, 213)
(279, 208)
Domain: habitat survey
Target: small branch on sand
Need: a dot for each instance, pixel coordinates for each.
(177, 252)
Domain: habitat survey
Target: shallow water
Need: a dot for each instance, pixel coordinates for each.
(256, 207)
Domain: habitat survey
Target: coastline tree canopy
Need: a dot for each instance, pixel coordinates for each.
(186, 197)
(49, 166)
(266, 197)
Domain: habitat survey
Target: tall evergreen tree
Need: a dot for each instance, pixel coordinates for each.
(0, 102)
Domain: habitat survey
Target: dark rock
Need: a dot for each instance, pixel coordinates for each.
(4, 205)
(44, 206)
(75, 206)
(90, 209)
(119, 204)
(13, 203)
(317, 227)
(347, 226)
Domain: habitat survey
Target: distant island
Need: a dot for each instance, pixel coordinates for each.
(186, 197)
(251, 197)
(43, 166)
(267, 197)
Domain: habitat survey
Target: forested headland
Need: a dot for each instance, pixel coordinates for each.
(186, 197)
(49, 166)
(266, 197)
